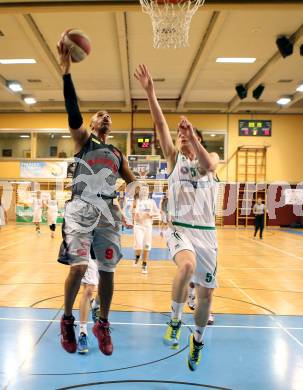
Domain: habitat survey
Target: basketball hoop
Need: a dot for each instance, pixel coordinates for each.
(171, 20)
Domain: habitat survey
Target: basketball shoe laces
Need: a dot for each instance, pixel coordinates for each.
(174, 329)
(196, 351)
(69, 332)
(106, 333)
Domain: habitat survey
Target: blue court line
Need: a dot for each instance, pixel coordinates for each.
(292, 231)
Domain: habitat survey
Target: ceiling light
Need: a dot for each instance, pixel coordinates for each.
(257, 92)
(29, 100)
(284, 100)
(285, 46)
(14, 86)
(65, 136)
(300, 88)
(110, 136)
(241, 91)
(17, 61)
(236, 60)
(24, 136)
(20, 182)
(213, 135)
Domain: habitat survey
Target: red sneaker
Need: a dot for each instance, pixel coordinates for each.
(68, 338)
(102, 333)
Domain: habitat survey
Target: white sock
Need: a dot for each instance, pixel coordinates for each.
(199, 332)
(177, 310)
(83, 328)
(94, 304)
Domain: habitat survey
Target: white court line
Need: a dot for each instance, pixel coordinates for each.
(162, 266)
(148, 324)
(276, 249)
(280, 326)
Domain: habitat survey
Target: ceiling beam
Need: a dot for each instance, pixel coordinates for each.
(43, 6)
(295, 98)
(264, 71)
(212, 31)
(38, 41)
(20, 104)
(121, 25)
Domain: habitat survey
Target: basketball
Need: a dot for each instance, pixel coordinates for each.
(79, 42)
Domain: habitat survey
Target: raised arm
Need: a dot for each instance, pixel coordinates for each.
(143, 76)
(78, 132)
(207, 161)
(126, 172)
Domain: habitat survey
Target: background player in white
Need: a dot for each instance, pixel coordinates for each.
(37, 210)
(89, 283)
(192, 237)
(52, 213)
(3, 215)
(144, 211)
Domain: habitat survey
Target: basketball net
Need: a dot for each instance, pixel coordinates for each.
(171, 20)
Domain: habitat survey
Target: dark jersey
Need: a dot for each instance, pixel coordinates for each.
(97, 170)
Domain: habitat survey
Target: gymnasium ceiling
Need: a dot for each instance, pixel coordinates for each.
(121, 38)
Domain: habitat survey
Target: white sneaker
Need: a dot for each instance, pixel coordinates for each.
(144, 269)
(191, 302)
(211, 319)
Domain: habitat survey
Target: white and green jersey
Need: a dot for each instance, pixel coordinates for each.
(192, 195)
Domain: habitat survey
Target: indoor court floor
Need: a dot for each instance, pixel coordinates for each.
(256, 342)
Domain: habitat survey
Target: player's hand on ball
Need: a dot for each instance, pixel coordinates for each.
(64, 57)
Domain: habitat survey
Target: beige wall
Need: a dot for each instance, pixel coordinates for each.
(284, 154)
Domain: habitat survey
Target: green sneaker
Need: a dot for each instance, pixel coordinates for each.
(194, 356)
(172, 334)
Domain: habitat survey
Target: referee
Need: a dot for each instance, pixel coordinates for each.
(259, 211)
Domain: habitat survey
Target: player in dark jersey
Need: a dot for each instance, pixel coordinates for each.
(91, 223)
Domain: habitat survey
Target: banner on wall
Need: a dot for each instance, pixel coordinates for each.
(293, 196)
(43, 170)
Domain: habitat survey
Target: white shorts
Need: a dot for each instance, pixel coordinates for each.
(91, 275)
(52, 217)
(143, 237)
(203, 245)
(37, 215)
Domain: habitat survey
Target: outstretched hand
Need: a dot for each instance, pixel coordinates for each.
(64, 57)
(143, 76)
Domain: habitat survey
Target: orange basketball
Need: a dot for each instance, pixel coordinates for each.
(79, 42)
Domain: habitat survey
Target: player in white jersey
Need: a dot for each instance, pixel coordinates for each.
(192, 237)
(52, 213)
(144, 211)
(37, 211)
(3, 215)
(89, 283)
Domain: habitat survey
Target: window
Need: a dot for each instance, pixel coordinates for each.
(119, 140)
(215, 141)
(55, 145)
(16, 145)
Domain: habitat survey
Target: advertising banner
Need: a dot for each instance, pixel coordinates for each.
(43, 170)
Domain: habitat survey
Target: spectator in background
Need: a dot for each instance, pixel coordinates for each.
(259, 212)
